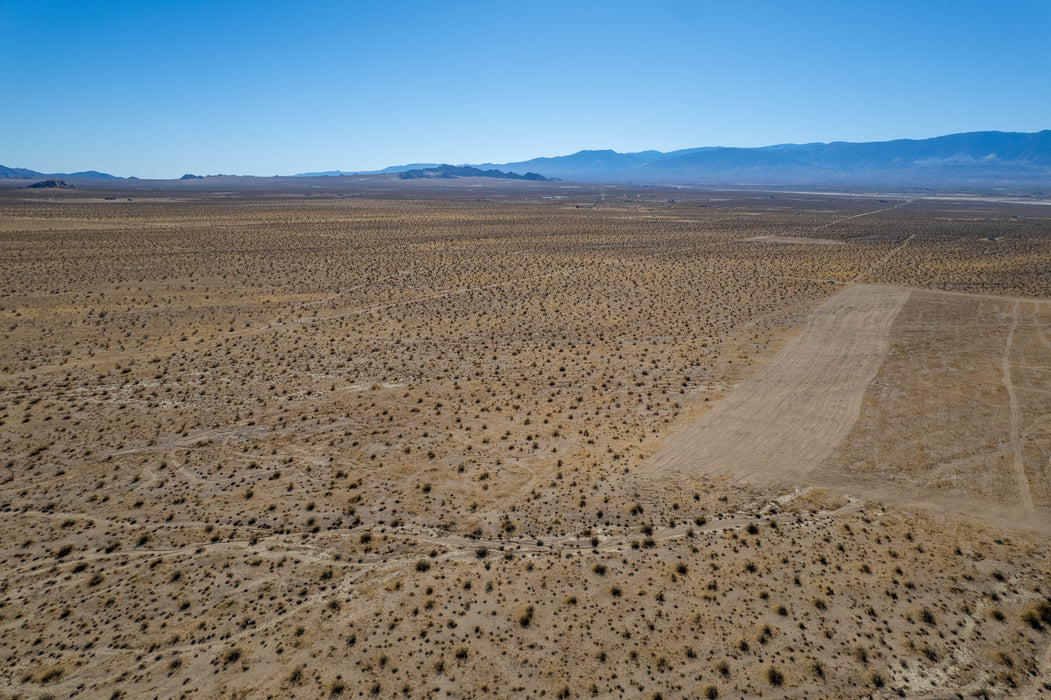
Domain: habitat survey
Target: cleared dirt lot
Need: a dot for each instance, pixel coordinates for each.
(346, 439)
(956, 420)
(958, 415)
(787, 417)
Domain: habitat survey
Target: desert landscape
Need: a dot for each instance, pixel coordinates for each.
(363, 437)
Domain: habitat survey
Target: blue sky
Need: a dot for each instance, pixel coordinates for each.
(157, 89)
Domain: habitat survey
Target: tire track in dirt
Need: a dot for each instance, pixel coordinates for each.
(864, 213)
(1015, 435)
(882, 261)
(780, 424)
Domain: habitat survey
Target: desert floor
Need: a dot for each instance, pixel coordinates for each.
(360, 438)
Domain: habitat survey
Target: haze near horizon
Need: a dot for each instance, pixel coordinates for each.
(152, 90)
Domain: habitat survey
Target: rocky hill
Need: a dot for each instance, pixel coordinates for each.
(51, 184)
(455, 171)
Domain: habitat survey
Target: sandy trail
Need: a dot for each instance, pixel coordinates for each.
(882, 261)
(864, 213)
(780, 424)
(1016, 434)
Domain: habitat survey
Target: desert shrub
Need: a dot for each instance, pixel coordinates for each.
(1038, 615)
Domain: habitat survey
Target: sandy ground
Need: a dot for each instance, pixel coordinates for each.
(958, 416)
(957, 420)
(455, 441)
(782, 422)
(795, 239)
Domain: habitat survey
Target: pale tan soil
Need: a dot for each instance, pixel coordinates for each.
(959, 415)
(784, 420)
(340, 446)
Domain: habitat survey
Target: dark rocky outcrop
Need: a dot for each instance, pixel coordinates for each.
(56, 184)
(446, 172)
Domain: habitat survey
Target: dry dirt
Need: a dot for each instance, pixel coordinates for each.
(785, 419)
(358, 438)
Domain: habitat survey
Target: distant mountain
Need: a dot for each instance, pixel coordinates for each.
(51, 184)
(6, 172)
(90, 173)
(326, 173)
(446, 172)
(978, 158)
(385, 171)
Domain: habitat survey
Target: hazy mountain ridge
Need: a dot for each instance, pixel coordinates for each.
(392, 169)
(25, 173)
(977, 156)
(981, 158)
(452, 171)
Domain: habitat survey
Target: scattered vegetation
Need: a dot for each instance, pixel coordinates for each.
(252, 440)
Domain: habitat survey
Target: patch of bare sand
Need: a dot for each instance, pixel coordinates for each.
(780, 424)
(958, 419)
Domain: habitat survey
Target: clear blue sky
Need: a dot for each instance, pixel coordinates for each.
(159, 88)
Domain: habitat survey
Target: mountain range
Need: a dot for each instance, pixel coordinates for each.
(23, 173)
(977, 159)
(982, 158)
(449, 172)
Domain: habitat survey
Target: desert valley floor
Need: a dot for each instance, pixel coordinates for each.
(370, 439)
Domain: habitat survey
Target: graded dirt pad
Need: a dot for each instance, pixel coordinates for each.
(959, 416)
(783, 421)
(356, 438)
